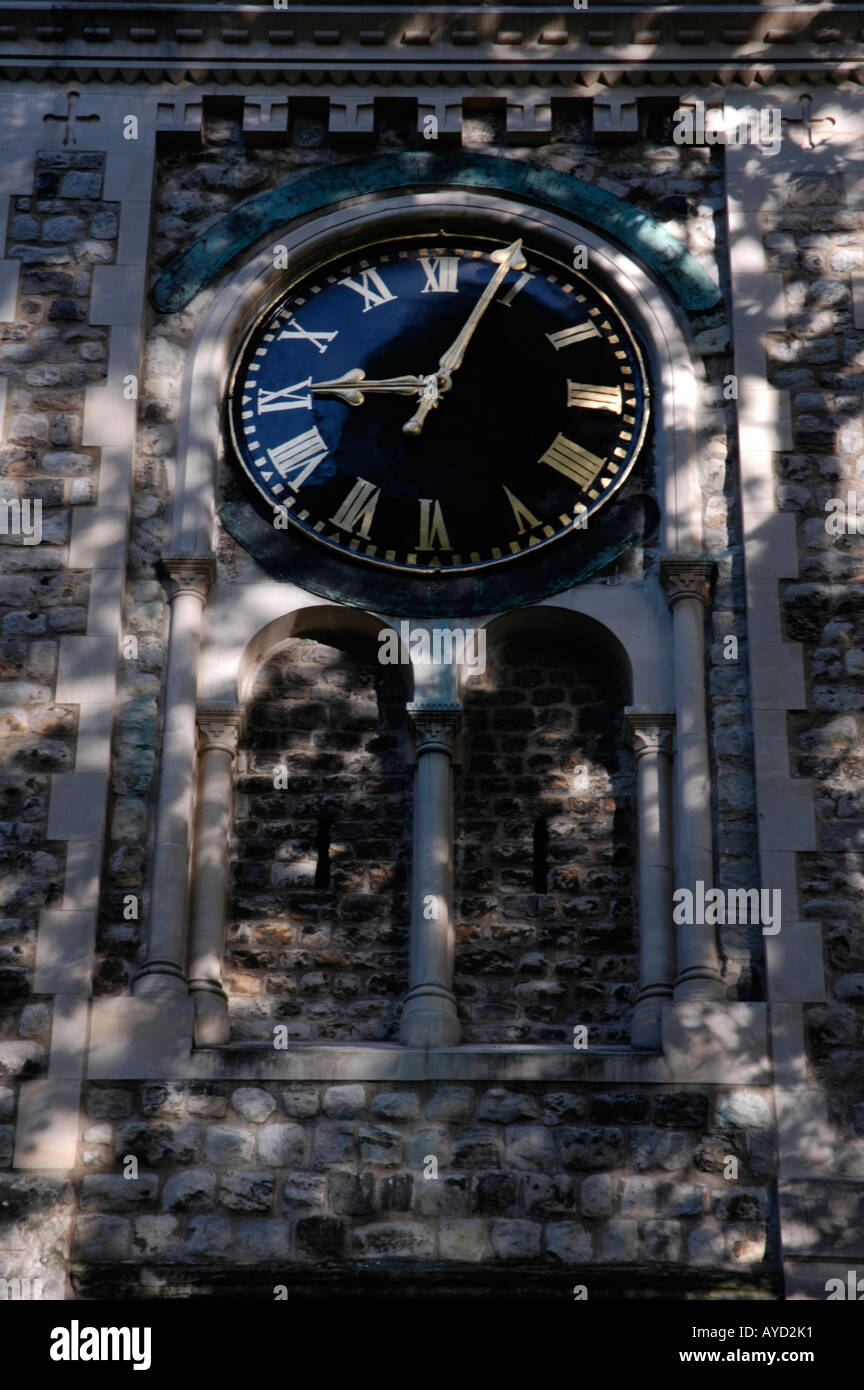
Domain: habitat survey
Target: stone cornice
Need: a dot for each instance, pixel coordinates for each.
(387, 44)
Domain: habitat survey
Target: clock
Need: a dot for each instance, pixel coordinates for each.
(442, 404)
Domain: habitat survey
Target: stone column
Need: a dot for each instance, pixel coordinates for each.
(162, 972)
(429, 1017)
(218, 730)
(686, 579)
(650, 736)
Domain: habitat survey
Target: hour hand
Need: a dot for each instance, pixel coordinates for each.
(353, 387)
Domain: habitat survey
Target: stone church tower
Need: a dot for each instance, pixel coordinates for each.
(432, 793)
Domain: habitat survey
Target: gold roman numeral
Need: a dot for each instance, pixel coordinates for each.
(594, 397)
(525, 520)
(566, 337)
(433, 532)
(573, 461)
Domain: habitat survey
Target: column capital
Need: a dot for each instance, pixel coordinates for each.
(648, 731)
(219, 726)
(686, 576)
(435, 723)
(189, 574)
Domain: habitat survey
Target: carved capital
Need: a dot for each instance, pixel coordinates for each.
(436, 723)
(189, 574)
(686, 576)
(648, 731)
(219, 726)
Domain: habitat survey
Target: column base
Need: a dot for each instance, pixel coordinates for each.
(647, 1027)
(429, 1018)
(212, 1023)
(159, 979)
(698, 982)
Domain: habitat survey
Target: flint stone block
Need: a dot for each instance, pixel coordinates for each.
(155, 1236)
(205, 1100)
(662, 1241)
(706, 1246)
(638, 1198)
(682, 1110)
(560, 1106)
(530, 1148)
(247, 1191)
(546, 1196)
(396, 1192)
(589, 1148)
(620, 1109)
(597, 1195)
(380, 1145)
(156, 1143)
(282, 1145)
(162, 1099)
(516, 1240)
(743, 1110)
(476, 1148)
(464, 1240)
(300, 1104)
(453, 1103)
(344, 1102)
(102, 1238)
(496, 1193)
(108, 1105)
(396, 1105)
(262, 1240)
(334, 1143)
(321, 1236)
(569, 1242)
(444, 1196)
(253, 1104)
(666, 1149)
(192, 1190)
(304, 1190)
(620, 1242)
(352, 1194)
(682, 1199)
(397, 1240)
(111, 1193)
(225, 1145)
(209, 1237)
(504, 1107)
(434, 1140)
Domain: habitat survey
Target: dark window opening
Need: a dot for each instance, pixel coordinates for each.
(322, 850)
(541, 855)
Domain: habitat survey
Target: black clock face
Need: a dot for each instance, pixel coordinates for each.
(524, 410)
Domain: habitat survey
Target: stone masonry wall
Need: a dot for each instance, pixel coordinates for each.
(816, 244)
(530, 964)
(59, 230)
(327, 961)
(285, 1175)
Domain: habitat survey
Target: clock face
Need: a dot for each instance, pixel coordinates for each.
(442, 404)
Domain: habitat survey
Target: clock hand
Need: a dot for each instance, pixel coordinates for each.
(353, 386)
(506, 258)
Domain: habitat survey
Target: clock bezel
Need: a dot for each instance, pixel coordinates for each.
(628, 524)
(379, 236)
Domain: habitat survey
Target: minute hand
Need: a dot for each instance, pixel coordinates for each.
(508, 258)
